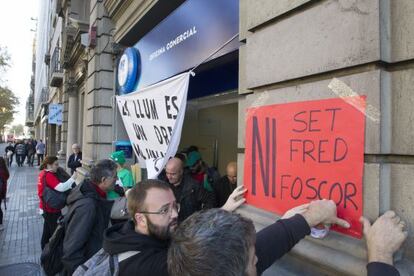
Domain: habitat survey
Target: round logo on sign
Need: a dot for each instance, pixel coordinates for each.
(129, 70)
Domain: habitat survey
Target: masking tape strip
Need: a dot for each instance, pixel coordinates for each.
(347, 94)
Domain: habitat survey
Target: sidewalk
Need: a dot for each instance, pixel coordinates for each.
(20, 240)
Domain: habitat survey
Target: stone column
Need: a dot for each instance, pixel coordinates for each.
(73, 110)
(98, 124)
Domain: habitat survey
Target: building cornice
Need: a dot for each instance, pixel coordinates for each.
(125, 14)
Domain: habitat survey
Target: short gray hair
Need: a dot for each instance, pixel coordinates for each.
(211, 242)
(104, 168)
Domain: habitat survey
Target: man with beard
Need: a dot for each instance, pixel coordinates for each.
(142, 243)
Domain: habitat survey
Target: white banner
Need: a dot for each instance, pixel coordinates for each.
(153, 118)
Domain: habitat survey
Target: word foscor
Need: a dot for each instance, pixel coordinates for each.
(304, 151)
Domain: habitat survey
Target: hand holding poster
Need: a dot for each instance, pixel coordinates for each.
(153, 118)
(304, 151)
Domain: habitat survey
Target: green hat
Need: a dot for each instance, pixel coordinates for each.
(192, 158)
(118, 157)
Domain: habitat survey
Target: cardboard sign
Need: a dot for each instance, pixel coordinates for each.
(153, 118)
(304, 151)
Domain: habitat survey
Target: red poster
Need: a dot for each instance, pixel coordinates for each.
(304, 151)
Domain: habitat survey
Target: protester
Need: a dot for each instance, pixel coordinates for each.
(201, 172)
(4, 176)
(125, 178)
(88, 215)
(383, 239)
(48, 177)
(9, 150)
(75, 158)
(40, 151)
(20, 151)
(154, 211)
(226, 184)
(215, 242)
(182, 156)
(190, 195)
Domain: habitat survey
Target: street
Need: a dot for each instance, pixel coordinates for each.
(20, 240)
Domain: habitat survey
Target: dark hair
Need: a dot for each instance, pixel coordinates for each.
(211, 242)
(3, 165)
(138, 194)
(190, 149)
(104, 168)
(181, 156)
(49, 160)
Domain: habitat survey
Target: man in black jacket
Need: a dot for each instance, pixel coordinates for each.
(142, 244)
(88, 216)
(190, 194)
(215, 242)
(75, 158)
(226, 184)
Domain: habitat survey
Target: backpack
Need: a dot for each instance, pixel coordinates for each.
(103, 264)
(51, 197)
(51, 257)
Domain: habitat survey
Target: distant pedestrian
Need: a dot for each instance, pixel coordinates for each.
(40, 151)
(4, 176)
(9, 153)
(75, 158)
(30, 150)
(20, 151)
(48, 177)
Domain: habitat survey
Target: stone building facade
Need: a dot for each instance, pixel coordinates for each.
(289, 51)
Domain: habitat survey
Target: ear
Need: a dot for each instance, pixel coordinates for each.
(141, 219)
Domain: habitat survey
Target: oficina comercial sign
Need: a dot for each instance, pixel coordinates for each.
(182, 40)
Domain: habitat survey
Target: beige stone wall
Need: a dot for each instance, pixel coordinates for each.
(291, 51)
(98, 113)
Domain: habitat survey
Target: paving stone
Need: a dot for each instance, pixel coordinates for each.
(20, 240)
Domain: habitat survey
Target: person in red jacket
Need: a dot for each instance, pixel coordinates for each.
(4, 176)
(48, 177)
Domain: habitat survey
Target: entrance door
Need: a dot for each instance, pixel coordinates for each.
(211, 125)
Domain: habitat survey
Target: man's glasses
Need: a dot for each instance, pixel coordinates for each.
(165, 210)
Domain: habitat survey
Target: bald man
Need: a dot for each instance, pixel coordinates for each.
(226, 185)
(191, 196)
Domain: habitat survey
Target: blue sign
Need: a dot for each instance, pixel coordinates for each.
(124, 146)
(183, 40)
(129, 70)
(55, 116)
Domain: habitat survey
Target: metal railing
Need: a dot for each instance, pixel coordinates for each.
(44, 96)
(55, 65)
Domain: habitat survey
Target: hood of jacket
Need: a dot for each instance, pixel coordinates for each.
(83, 190)
(122, 237)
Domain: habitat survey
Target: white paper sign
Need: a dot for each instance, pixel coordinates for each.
(153, 118)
